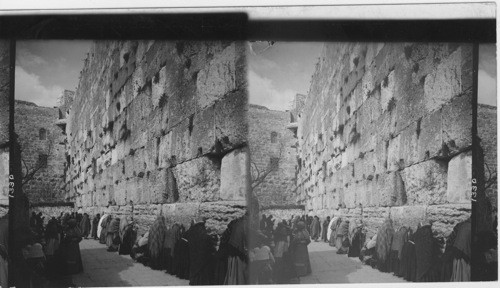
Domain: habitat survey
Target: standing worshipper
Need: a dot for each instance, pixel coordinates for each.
(324, 231)
(100, 225)
(85, 226)
(71, 255)
(156, 241)
(95, 223)
(301, 254)
(261, 260)
(112, 235)
(104, 228)
(201, 255)
(281, 248)
(315, 228)
(128, 236)
(52, 241)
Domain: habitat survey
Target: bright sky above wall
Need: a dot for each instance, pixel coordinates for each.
(275, 74)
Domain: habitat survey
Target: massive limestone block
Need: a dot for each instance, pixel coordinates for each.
(217, 78)
(457, 124)
(444, 83)
(219, 214)
(231, 125)
(459, 179)
(409, 216)
(429, 134)
(234, 171)
(425, 182)
(390, 190)
(198, 180)
(445, 217)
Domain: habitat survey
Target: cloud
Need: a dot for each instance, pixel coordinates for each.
(263, 92)
(29, 88)
(26, 59)
(487, 88)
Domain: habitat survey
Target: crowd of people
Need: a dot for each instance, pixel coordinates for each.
(274, 253)
(416, 256)
(193, 253)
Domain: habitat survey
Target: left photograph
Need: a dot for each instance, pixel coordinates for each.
(133, 163)
(4, 159)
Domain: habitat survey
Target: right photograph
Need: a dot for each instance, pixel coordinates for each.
(361, 161)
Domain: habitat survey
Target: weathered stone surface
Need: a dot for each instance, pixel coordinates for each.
(234, 171)
(150, 124)
(459, 180)
(457, 124)
(444, 83)
(268, 138)
(409, 216)
(217, 78)
(219, 214)
(425, 182)
(198, 180)
(445, 217)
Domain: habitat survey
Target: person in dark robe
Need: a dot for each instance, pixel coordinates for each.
(462, 245)
(85, 226)
(104, 229)
(408, 266)
(201, 255)
(426, 251)
(231, 258)
(173, 237)
(384, 241)
(301, 239)
(342, 239)
(129, 238)
(71, 255)
(52, 243)
(281, 248)
(156, 242)
(113, 235)
(315, 228)
(324, 230)
(181, 253)
(400, 237)
(95, 222)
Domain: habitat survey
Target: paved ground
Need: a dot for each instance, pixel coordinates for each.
(105, 269)
(330, 267)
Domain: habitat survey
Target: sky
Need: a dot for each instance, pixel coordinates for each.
(45, 68)
(277, 73)
(487, 75)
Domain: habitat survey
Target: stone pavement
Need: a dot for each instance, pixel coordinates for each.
(330, 267)
(105, 269)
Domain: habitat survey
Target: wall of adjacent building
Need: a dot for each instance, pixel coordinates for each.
(278, 187)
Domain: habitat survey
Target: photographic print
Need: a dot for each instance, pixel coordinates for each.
(231, 149)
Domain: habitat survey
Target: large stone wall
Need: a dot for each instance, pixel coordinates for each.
(487, 127)
(386, 132)
(47, 184)
(4, 125)
(160, 127)
(278, 187)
